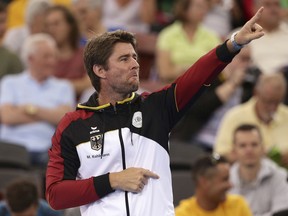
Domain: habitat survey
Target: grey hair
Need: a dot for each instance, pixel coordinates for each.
(30, 45)
(34, 8)
(91, 3)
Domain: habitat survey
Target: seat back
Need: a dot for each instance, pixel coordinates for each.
(13, 156)
(182, 185)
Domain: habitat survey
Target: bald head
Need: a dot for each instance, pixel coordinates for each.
(271, 83)
(269, 93)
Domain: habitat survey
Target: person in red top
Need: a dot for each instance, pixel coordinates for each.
(63, 27)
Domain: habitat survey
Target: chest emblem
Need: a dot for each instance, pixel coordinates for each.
(137, 119)
(96, 142)
(96, 139)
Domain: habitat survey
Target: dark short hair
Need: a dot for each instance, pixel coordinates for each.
(98, 50)
(3, 7)
(205, 164)
(21, 194)
(246, 128)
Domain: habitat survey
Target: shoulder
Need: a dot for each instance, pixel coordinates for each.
(45, 209)
(186, 204)
(235, 200)
(61, 82)
(11, 78)
(170, 30)
(3, 209)
(245, 107)
(273, 170)
(204, 31)
(283, 110)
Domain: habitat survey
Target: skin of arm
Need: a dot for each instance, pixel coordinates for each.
(13, 115)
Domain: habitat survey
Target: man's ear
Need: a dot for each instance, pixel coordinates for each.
(202, 182)
(99, 71)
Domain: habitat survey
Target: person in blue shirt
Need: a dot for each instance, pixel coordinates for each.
(21, 199)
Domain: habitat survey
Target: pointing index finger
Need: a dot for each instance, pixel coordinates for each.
(148, 173)
(257, 16)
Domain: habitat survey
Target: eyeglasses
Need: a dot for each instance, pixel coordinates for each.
(216, 158)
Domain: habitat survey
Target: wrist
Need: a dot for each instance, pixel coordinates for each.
(235, 44)
(31, 110)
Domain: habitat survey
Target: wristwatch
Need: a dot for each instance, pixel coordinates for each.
(236, 46)
(31, 109)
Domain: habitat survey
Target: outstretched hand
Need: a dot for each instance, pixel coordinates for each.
(251, 30)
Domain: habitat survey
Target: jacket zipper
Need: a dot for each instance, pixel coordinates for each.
(124, 167)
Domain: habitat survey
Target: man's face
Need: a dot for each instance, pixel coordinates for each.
(3, 18)
(248, 147)
(268, 100)
(42, 63)
(272, 13)
(86, 15)
(218, 184)
(122, 75)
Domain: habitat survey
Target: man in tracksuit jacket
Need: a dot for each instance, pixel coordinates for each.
(111, 155)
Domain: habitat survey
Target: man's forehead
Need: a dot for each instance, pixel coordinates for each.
(123, 49)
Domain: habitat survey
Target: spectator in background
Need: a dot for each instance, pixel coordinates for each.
(21, 199)
(10, 63)
(266, 110)
(34, 23)
(16, 11)
(63, 27)
(182, 43)
(33, 102)
(258, 179)
(241, 11)
(131, 15)
(89, 15)
(271, 60)
(218, 18)
(211, 180)
(199, 126)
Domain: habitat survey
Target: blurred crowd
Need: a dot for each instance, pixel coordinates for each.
(42, 76)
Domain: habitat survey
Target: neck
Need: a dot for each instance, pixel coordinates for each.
(205, 203)
(104, 98)
(36, 77)
(65, 51)
(249, 173)
(265, 118)
(190, 29)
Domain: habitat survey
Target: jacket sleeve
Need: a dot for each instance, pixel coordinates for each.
(202, 73)
(63, 190)
(198, 115)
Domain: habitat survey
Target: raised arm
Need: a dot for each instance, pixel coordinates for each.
(204, 71)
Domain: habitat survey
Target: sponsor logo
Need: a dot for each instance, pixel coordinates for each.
(94, 130)
(137, 119)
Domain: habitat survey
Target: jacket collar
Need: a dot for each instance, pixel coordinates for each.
(93, 105)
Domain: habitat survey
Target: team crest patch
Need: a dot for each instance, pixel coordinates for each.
(137, 119)
(96, 142)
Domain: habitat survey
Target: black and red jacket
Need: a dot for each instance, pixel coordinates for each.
(94, 140)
